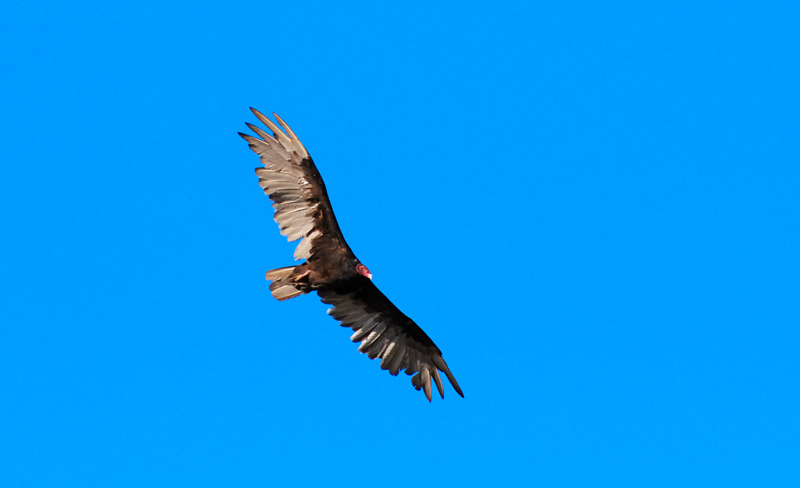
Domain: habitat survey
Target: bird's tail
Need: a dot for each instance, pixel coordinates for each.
(288, 282)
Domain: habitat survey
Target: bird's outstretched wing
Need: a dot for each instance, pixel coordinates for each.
(386, 333)
(291, 179)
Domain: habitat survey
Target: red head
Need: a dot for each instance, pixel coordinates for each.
(363, 271)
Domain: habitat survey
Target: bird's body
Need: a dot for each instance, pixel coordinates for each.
(303, 212)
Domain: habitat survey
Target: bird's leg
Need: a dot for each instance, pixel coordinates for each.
(302, 277)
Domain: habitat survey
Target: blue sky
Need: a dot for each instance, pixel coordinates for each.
(592, 208)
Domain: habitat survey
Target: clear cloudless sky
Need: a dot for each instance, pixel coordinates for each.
(591, 207)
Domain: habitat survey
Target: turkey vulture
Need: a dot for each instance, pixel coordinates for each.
(303, 211)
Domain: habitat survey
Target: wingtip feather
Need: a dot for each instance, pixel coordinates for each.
(426, 382)
(438, 381)
(258, 131)
(439, 362)
(290, 132)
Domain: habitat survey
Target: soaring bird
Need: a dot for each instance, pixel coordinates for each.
(303, 212)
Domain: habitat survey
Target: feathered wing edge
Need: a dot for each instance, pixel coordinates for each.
(386, 333)
(290, 180)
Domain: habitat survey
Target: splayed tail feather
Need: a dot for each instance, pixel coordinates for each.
(287, 282)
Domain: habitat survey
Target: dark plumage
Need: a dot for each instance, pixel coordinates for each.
(303, 212)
